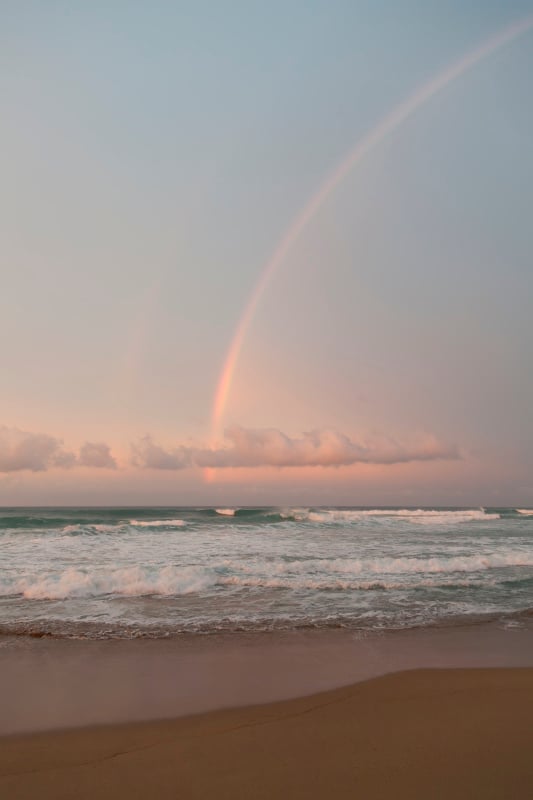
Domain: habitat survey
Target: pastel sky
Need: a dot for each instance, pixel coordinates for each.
(154, 154)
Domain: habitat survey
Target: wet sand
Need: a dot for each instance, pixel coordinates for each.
(49, 683)
(463, 733)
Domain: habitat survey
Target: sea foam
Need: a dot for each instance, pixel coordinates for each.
(129, 582)
(158, 523)
(417, 516)
(257, 568)
(140, 581)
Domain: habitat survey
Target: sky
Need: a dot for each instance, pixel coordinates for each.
(154, 157)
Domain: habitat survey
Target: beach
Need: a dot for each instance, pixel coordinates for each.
(428, 713)
(49, 683)
(416, 734)
(195, 653)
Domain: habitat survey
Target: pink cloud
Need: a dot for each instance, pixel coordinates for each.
(20, 450)
(271, 447)
(37, 452)
(148, 455)
(96, 454)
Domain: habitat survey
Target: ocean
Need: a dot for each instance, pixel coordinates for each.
(158, 572)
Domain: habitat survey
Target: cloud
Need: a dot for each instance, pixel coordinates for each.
(271, 447)
(244, 447)
(21, 450)
(64, 459)
(37, 452)
(148, 455)
(96, 454)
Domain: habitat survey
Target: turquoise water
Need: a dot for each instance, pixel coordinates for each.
(158, 572)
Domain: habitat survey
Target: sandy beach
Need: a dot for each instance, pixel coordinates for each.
(462, 733)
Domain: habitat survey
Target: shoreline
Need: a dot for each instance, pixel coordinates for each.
(52, 684)
(439, 733)
(58, 630)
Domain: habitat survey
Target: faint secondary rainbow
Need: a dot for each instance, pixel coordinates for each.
(364, 146)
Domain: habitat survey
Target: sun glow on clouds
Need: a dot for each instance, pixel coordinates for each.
(37, 452)
(270, 447)
(243, 448)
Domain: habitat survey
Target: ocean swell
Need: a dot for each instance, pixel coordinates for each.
(296, 575)
(417, 516)
(129, 582)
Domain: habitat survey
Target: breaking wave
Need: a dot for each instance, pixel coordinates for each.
(391, 566)
(419, 515)
(129, 582)
(317, 574)
(237, 568)
(158, 523)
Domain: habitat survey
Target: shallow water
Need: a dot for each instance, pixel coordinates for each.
(55, 683)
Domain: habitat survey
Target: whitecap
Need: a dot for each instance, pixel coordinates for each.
(158, 523)
(422, 516)
(129, 582)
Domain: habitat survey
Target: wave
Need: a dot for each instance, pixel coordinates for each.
(389, 565)
(88, 522)
(526, 511)
(88, 529)
(419, 515)
(95, 528)
(326, 584)
(247, 513)
(361, 624)
(318, 574)
(158, 523)
(128, 582)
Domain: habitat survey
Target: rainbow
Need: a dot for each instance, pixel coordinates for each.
(364, 146)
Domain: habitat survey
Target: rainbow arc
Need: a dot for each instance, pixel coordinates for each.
(387, 125)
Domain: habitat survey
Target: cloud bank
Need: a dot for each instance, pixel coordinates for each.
(37, 452)
(244, 447)
(270, 447)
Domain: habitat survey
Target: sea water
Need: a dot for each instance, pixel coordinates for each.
(115, 572)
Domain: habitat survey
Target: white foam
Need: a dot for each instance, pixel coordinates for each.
(88, 528)
(387, 565)
(158, 523)
(527, 511)
(325, 584)
(103, 528)
(337, 562)
(128, 582)
(421, 515)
